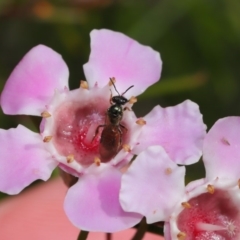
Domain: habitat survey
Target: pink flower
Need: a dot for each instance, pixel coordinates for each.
(39, 86)
(206, 208)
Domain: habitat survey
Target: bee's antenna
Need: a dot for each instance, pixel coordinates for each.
(114, 86)
(127, 89)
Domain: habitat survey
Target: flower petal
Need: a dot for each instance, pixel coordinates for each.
(113, 54)
(179, 130)
(194, 184)
(152, 185)
(221, 146)
(33, 81)
(92, 204)
(23, 159)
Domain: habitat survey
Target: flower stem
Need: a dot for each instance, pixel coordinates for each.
(82, 235)
(108, 236)
(141, 230)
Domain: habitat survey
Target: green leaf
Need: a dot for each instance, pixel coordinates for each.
(176, 85)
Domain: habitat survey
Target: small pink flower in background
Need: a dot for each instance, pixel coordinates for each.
(39, 86)
(206, 208)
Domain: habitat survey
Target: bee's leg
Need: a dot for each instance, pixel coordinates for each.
(105, 119)
(120, 133)
(97, 130)
(123, 127)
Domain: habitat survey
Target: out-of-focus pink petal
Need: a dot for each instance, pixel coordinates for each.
(221, 149)
(23, 159)
(179, 130)
(33, 81)
(92, 204)
(113, 54)
(152, 185)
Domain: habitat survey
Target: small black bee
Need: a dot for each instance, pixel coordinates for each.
(111, 137)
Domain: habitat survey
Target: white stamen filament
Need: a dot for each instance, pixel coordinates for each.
(209, 227)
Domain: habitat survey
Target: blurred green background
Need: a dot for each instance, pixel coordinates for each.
(199, 42)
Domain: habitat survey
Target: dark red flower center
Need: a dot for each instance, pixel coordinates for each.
(211, 216)
(75, 127)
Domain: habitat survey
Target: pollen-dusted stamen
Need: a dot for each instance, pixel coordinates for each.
(141, 122)
(47, 139)
(83, 84)
(186, 205)
(112, 80)
(45, 114)
(210, 188)
(181, 235)
(132, 100)
(126, 148)
(70, 158)
(97, 161)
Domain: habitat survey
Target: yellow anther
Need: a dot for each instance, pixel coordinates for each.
(141, 121)
(168, 171)
(112, 80)
(132, 100)
(181, 235)
(47, 139)
(97, 161)
(210, 188)
(186, 205)
(45, 114)
(83, 84)
(70, 158)
(126, 148)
